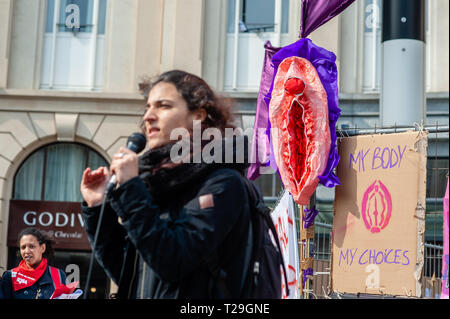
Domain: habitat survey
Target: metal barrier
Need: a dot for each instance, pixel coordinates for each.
(432, 271)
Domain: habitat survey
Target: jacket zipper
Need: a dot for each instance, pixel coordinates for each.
(143, 280)
(256, 272)
(37, 293)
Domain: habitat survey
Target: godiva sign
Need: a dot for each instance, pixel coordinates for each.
(62, 221)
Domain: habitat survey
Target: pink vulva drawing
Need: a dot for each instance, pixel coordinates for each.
(376, 207)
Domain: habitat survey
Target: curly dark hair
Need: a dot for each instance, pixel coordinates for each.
(41, 238)
(197, 94)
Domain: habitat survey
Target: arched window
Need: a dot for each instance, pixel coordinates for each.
(53, 173)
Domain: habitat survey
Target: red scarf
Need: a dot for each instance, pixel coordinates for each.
(23, 277)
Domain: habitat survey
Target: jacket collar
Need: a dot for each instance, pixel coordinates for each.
(173, 180)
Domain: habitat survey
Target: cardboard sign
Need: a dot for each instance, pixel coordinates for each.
(283, 217)
(379, 214)
(62, 221)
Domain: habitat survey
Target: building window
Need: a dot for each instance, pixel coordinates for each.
(372, 45)
(372, 64)
(250, 24)
(53, 173)
(74, 45)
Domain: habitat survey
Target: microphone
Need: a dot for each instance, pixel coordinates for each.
(136, 143)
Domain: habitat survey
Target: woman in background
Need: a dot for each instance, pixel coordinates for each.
(33, 278)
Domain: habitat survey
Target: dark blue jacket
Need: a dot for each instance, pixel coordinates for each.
(42, 289)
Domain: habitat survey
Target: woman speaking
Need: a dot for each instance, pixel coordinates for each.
(166, 217)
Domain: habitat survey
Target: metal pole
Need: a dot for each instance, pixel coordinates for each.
(237, 11)
(402, 99)
(394, 129)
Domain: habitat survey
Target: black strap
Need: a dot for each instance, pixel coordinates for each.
(125, 278)
(248, 255)
(265, 212)
(274, 233)
(218, 276)
(213, 260)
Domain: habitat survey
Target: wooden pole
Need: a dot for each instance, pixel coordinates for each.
(306, 260)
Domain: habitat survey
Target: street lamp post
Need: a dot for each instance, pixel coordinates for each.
(402, 100)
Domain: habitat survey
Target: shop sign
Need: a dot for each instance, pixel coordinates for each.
(63, 221)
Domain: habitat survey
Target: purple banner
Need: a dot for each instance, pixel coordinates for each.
(261, 146)
(317, 12)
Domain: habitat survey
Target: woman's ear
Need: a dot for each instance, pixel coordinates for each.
(200, 114)
(43, 248)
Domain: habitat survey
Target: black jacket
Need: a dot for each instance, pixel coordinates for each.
(173, 239)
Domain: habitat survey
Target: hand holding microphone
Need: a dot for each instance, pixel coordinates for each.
(125, 165)
(95, 184)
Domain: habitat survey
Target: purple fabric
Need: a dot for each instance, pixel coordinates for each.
(308, 216)
(316, 12)
(325, 63)
(307, 272)
(261, 146)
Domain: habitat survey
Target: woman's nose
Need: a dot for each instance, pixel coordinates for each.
(149, 114)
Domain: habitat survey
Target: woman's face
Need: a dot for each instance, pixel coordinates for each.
(167, 110)
(31, 251)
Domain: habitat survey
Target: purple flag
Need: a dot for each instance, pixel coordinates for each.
(261, 146)
(317, 12)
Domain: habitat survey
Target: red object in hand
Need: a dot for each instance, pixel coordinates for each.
(298, 113)
(64, 289)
